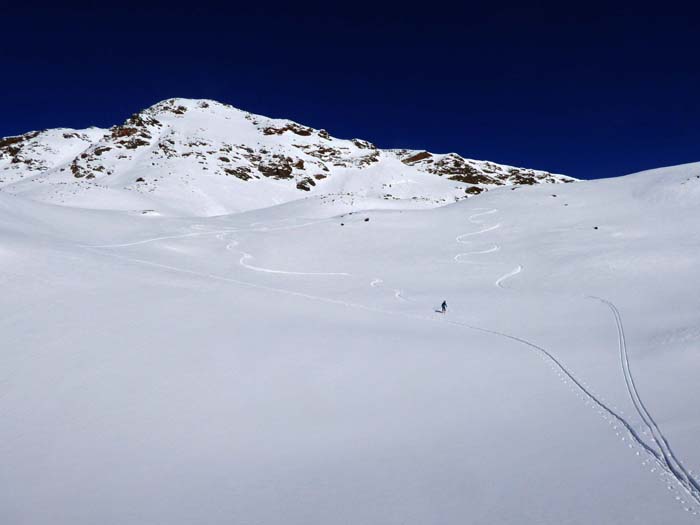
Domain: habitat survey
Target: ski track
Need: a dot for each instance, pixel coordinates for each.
(156, 239)
(566, 376)
(479, 232)
(231, 246)
(247, 256)
(460, 238)
(487, 211)
(460, 256)
(376, 282)
(201, 233)
(671, 461)
(500, 280)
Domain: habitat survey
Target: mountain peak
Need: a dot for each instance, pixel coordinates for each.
(203, 157)
(180, 106)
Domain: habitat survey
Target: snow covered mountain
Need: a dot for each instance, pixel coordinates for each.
(288, 364)
(201, 157)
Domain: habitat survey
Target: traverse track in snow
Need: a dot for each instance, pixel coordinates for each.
(671, 461)
(200, 232)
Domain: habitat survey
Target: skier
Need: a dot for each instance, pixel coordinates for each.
(444, 306)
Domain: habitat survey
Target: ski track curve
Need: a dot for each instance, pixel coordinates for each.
(376, 282)
(500, 280)
(232, 247)
(487, 211)
(460, 257)
(460, 238)
(246, 256)
(671, 461)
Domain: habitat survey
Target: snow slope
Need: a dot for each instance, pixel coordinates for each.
(286, 365)
(201, 157)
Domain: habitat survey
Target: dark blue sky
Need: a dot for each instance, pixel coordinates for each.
(588, 90)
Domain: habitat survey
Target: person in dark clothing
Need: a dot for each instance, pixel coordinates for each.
(444, 307)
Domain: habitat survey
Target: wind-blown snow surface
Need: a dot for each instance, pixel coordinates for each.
(286, 366)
